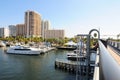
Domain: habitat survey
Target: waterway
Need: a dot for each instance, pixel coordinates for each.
(25, 67)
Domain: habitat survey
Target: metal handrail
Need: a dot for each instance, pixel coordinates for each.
(110, 68)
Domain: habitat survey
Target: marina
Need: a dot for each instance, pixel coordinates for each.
(60, 40)
(84, 63)
(25, 67)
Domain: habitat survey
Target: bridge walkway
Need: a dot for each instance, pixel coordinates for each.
(114, 53)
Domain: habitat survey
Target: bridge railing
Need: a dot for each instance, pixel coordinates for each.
(114, 44)
(109, 67)
(96, 69)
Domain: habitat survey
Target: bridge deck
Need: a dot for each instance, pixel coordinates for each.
(114, 53)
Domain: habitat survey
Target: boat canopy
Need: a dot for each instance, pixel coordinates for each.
(71, 43)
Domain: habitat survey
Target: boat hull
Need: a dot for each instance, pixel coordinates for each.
(25, 51)
(67, 48)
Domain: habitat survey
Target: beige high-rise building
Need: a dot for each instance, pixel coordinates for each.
(20, 30)
(32, 24)
(55, 34)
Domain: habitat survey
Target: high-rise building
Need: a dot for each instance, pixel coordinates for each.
(45, 25)
(12, 30)
(4, 32)
(42, 29)
(20, 30)
(55, 34)
(32, 24)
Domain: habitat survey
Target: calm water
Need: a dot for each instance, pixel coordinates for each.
(24, 67)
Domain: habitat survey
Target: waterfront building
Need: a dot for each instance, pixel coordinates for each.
(42, 29)
(20, 30)
(55, 34)
(12, 30)
(4, 32)
(32, 24)
(45, 25)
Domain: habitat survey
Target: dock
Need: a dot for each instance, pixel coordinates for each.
(71, 66)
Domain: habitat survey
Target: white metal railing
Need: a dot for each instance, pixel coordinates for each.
(96, 69)
(110, 68)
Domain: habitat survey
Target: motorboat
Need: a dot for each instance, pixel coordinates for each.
(75, 55)
(18, 49)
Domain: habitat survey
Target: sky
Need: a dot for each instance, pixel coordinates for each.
(74, 16)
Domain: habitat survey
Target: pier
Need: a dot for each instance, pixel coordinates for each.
(70, 66)
(75, 67)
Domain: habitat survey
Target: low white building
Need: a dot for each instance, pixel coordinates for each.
(4, 32)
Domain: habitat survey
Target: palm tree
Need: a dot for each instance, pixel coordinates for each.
(118, 36)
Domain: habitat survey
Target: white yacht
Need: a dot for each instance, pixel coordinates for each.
(18, 49)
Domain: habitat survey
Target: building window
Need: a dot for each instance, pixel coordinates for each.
(30, 13)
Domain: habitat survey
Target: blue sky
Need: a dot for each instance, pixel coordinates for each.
(75, 16)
